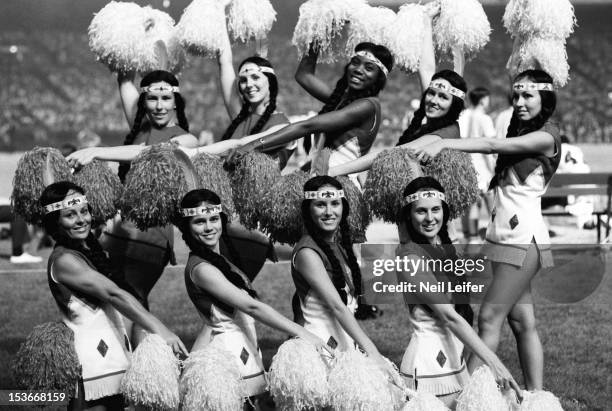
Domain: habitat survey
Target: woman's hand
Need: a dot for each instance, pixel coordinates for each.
(503, 378)
(173, 341)
(427, 153)
(83, 157)
(320, 345)
(389, 369)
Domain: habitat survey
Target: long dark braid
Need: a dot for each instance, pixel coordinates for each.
(245, 110)
(347, 244)
(153, 77)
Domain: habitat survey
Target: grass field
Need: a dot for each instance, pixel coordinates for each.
(576, 337)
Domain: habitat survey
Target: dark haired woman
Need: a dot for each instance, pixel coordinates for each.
(350, 116)
(433, 361)
(86, 289)
(517, 238)
(223, 294)
(441, 103)
(325, 272)
(156, 114)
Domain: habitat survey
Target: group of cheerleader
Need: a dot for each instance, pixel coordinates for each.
(95, 280)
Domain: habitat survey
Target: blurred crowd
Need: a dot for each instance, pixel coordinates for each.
(53, 88)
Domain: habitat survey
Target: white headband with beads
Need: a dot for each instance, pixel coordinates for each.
(260, 69)
(419, 195)
(68, 202)
(528, 86)
(204, 211)
(323, 194)
(373, 59)
(163, 87)
(440, 85)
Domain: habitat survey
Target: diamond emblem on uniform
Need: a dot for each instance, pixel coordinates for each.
(441, 358)
(126, 342)
(102, 348)
(493, 213)
(244, 355)
(332, 342)
(513, 221)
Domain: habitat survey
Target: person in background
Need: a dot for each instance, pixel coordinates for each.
(502, 121)
(474, 122)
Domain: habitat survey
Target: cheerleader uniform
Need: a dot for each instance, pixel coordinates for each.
(516, 221)
(225, 324)
(137, 252)
(433, 361)
(100, 340)
(318, 318)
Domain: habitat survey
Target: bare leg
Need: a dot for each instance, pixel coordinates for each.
(508, 286)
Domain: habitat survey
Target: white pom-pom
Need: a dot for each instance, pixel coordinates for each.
(481, 393)
(424, 401)
(545, 54)
(153, 375)
(298, 376)
(211, 380)
(250, 18)
(320, 23)
(199, 27)
(540, 401)
(553, 19)
(357, 383)
(369, 24)
(406, 37)
(161, 27)
(117, 36)
(462, 24)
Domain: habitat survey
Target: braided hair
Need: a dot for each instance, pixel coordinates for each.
(447, 249)
(338, 279)
(416, 128)
(195, 198)
(92, 249)
(342, 96)
(245, 110)
(153, 77)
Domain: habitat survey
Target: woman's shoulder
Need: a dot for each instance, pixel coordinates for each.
(448, 132)
(410, 249)
(65, 254)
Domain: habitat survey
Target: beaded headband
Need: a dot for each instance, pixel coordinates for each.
(260, 69)
(532, 86)
(68, 202)
(440, 85)
(366, 54)
(163, 87)
(205, 211)
(419, 195)
(325, 194)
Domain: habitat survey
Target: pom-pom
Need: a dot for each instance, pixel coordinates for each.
(36, 169)
(545, 54)
(424, 401)
(481, 393)
(359, 217)
(154, 187)
(298, 376)
(357, 383)
(160, 26)
(462, 24)
(281, 215)
(102, 188)
(406, 39)
(153, 375)
(211, 380)
(321, 23)
(369, 24)
(199, 27)
(250, 18)
(455, 171)
(540, 401)
(214, 177)
(391, 172)
(552, 19)
(253, 173)
(47, 361)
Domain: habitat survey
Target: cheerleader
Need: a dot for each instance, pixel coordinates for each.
(433, 361)
(441, 103)
(223, 294)
(517, 238)
(326, 273)
(87, 290)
